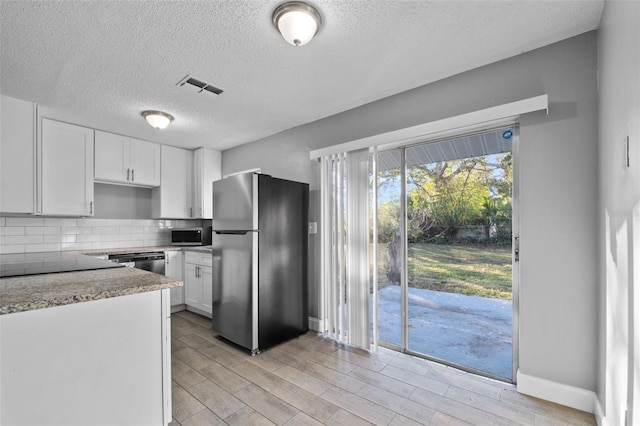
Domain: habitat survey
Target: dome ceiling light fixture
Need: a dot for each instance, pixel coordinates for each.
(157, 119)
(297, 22)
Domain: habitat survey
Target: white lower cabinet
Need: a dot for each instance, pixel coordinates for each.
(206, 274)
(104, 362)
(174, 268)
(198, 282)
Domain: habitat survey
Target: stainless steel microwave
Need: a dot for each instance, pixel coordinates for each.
(191, 236)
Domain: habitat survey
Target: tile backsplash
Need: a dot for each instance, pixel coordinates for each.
(37, 234)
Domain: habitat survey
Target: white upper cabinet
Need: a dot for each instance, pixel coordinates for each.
(67, 169)
(207, 167)
(145, 163)
(17, 156)
(127, 161)
(112, 157)
(172, 200)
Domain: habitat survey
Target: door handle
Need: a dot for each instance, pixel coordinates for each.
(516, 250)
(90, 207)
(132, 178)
(128, 170)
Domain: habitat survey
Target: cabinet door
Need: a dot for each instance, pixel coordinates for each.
(173, 264)
(173, 267)
(206, 278)
(192, 286)
(111, 157)
(207, 168)
(67, 169)
(177, 296)
(198, 201)
(173, 199)
(17, 156)
(145, 163)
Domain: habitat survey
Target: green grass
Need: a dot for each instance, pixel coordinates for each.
(470, 269)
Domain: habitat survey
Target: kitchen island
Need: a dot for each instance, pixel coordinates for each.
(89, 347)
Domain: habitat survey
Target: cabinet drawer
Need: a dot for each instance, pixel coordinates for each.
(198, 258)
(206, 259)
(191, 257)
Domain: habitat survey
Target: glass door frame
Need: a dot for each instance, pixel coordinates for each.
(404, 282)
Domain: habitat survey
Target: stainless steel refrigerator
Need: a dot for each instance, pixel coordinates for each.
(259, 259)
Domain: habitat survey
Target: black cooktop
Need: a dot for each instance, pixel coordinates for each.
(36, 266)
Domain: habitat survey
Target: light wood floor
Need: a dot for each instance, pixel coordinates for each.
(312, 380)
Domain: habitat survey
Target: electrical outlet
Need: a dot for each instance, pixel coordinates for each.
(313, 227)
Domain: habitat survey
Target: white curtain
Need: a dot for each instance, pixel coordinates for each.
(345, 247)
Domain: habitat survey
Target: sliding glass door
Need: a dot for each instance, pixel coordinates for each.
(390, 258)
(444, 257)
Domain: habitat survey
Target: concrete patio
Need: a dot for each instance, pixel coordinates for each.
(471, 331)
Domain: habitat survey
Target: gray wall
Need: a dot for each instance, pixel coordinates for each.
(558, 186)
(619, 212)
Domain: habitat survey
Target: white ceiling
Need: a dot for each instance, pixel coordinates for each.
(100, 63)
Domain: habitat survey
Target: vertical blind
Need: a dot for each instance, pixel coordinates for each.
(345, 246)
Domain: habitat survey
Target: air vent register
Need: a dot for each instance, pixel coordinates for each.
(198, 86)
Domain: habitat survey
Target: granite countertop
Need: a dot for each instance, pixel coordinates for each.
(107, 251)
(30, 292)
(103, 252)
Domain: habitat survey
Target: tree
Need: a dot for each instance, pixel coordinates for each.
(444, 196)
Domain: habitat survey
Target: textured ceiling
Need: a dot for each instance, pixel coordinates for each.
(101, 63)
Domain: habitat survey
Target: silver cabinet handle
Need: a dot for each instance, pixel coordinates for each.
(132, 178)
(90, 207)
(190, 211)
(128, 173)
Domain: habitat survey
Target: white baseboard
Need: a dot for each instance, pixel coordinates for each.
(599, 414)
(178, 308)
(570, 396)
(198, 311)
(316, 325)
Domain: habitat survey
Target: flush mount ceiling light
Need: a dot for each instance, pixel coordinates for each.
(297, 22)
(157, 119)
